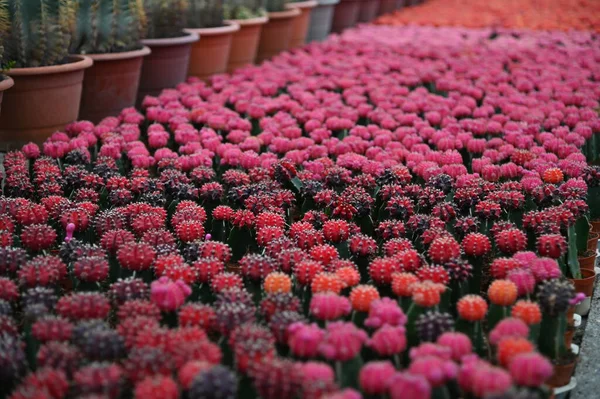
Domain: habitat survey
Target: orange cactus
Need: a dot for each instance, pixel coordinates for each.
(327, 282)
(402, 283)
(553, 175)
(510, 347)
(427, 293)
(277, 282)
(503, 292)
(472, 308)
(361, 297)
(527, 311)
(348, 275)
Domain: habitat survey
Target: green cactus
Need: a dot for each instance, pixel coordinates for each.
(4, 26)
(40, 32)
(243, 9)
(205, 14)
(166, 18)
(108, 26)
(276, 5)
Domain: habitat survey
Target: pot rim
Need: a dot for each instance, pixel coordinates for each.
(228, 28)
(303, 4)
(125, 55)
(76, 62)
(187, 38)
(328, 2)
(290, 13)
(249, 21)
(583, 277)
(6, 83)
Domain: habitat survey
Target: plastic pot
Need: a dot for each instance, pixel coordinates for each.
(167, 65)
(301, 22)
(276, 34)
(244, 43)
(42, 101)
(562, 374)
(210, 55)
(345, 15)
(111, 84)
(320, 20)
(585, 285)
(5, 84)
(368, 10)
(587, 261)
(595, 226)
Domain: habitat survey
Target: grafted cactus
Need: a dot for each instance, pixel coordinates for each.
(40, 32)
(166, 18)
(205, 14)
(108, 26)
(243, 9)
(276, 5)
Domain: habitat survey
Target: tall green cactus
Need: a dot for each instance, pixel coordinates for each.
(108, 26)
(166, 18)
(40, 32)
(243, 9)
(205, 14)
(276, 5)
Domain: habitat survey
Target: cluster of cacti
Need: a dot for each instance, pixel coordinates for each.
(108, 26)
(205, 14)
(40, 32)
(275, 5)
(243, 9)
(166, 18)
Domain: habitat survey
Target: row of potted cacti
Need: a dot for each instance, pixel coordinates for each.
(89, 59)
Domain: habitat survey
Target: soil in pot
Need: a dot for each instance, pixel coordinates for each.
(368, 10)
(320, 20)
(244, 43)
(6, 83)
(111, 84)
(592, 244)
(301, 22)
(563, 370)
(587, 260)
(167, 64)
(42, 101)
(210, 54)
(345, 15)
(276, 34)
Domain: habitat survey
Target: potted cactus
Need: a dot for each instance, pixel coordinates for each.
(277, 33)
(250, 15)
(171, 46)
(47, 87)
(368, 10)
(5, 81)
(320, 20)
(211, 54)
(109, 32)
(345, 15)
(301, 23)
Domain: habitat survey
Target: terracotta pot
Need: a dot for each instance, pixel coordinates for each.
(368, 10)
(585, 284)
(595, 226)
(345, 15)
(244, 43)
(562, 375)
(588, 261)
(167, 65)
(389, 6)
(111, 84)
(5, 84)
(42, 101)
(301, 22)
(276, 34)
(320, 20)
(569, 337)
(210, 55)
(592, 244)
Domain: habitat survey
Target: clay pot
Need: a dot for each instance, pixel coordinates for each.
(320, 20)
(5, 84)
(345, 15)
(301, 22)
(210, 54)
(389, 6)
(585, 284)
(587, 261)
(244, 43)
(368, 10)
(111, 84)
(595, 226)
(167, 65)
(562, 375)
(592, 244)
(276, 34)
(42, 101)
